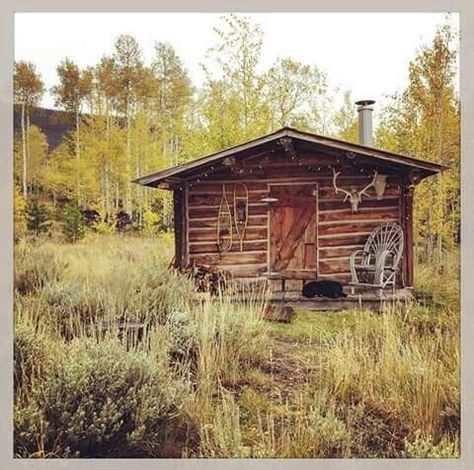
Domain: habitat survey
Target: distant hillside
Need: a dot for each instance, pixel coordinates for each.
(53, 123)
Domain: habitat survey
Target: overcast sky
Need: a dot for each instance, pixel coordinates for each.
(367, 53)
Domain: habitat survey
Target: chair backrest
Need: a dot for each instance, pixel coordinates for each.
(387, 236)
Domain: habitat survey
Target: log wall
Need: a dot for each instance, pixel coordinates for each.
(203, 207)
(340, 232)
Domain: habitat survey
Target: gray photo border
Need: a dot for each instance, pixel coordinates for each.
(7, 10)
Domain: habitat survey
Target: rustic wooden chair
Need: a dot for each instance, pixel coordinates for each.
(376, 265)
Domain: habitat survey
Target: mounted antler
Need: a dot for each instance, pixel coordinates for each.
(354, 196)
(372, 183)
(339, 190)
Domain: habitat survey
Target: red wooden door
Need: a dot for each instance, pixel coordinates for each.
(293, 228)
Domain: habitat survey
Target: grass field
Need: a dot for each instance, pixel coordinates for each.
(214, 379)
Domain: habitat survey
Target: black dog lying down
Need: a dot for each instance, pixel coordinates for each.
(331, 289)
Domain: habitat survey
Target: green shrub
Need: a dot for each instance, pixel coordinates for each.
(423, 447)
(74, 226)
(181, 333)
(37, 217)
(74, 307)
(29, 354)
(99, 400)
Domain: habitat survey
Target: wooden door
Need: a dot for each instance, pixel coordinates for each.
(293, 228)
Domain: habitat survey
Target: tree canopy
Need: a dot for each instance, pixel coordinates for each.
(134, 116)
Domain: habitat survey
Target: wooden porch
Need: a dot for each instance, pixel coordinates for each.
(288, 292)
(373, 300)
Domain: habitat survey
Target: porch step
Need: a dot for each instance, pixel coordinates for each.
(366, 300)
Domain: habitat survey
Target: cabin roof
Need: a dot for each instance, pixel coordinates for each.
(171, 176)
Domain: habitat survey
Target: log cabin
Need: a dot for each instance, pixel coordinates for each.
(292, 206)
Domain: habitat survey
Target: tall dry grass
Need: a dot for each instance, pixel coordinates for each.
(386, 387)
(182, 380)
(103, 393)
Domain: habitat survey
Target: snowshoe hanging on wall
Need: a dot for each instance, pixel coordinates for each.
(241, 209)
(224, 224)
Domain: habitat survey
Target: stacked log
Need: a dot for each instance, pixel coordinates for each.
(208, 278)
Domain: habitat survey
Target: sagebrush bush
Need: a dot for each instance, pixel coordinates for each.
(181, 333)
(30, 350)
(423, 447)
(97, 399)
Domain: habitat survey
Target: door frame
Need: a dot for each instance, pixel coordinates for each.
(315, 194)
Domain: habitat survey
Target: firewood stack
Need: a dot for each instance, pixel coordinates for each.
(208, 278)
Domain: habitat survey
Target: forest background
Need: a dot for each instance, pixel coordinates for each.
(128, 117)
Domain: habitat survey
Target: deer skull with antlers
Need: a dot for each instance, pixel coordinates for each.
(353, 195)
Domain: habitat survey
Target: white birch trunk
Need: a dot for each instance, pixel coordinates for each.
(78, 159)
(23, 138)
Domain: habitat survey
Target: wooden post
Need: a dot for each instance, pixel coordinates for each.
(406, 219)
(179, 228)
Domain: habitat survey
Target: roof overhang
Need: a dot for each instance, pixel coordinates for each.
(175, 176)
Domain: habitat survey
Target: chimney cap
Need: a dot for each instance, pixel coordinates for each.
(364, 102)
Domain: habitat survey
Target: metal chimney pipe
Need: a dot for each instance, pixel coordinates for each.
(364, 109)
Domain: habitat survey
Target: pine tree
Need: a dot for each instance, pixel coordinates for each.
(74, 227)
(38, 217)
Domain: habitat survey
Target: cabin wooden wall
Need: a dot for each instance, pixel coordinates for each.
(340, 232)
(203, 201)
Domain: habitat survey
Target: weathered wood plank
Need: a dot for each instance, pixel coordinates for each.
(367, 205)
(343, 277)
(211, 222)
(329, 193)
(246, 270)
(333, 265)
(212, 227)
(200, 212)
(230, 258)
(210, 235)
(198, 200)
(342, 240)
(351, 228)
(348, 216)
(326, 181)
(209, 247)
(217, 186)
(338, 251)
